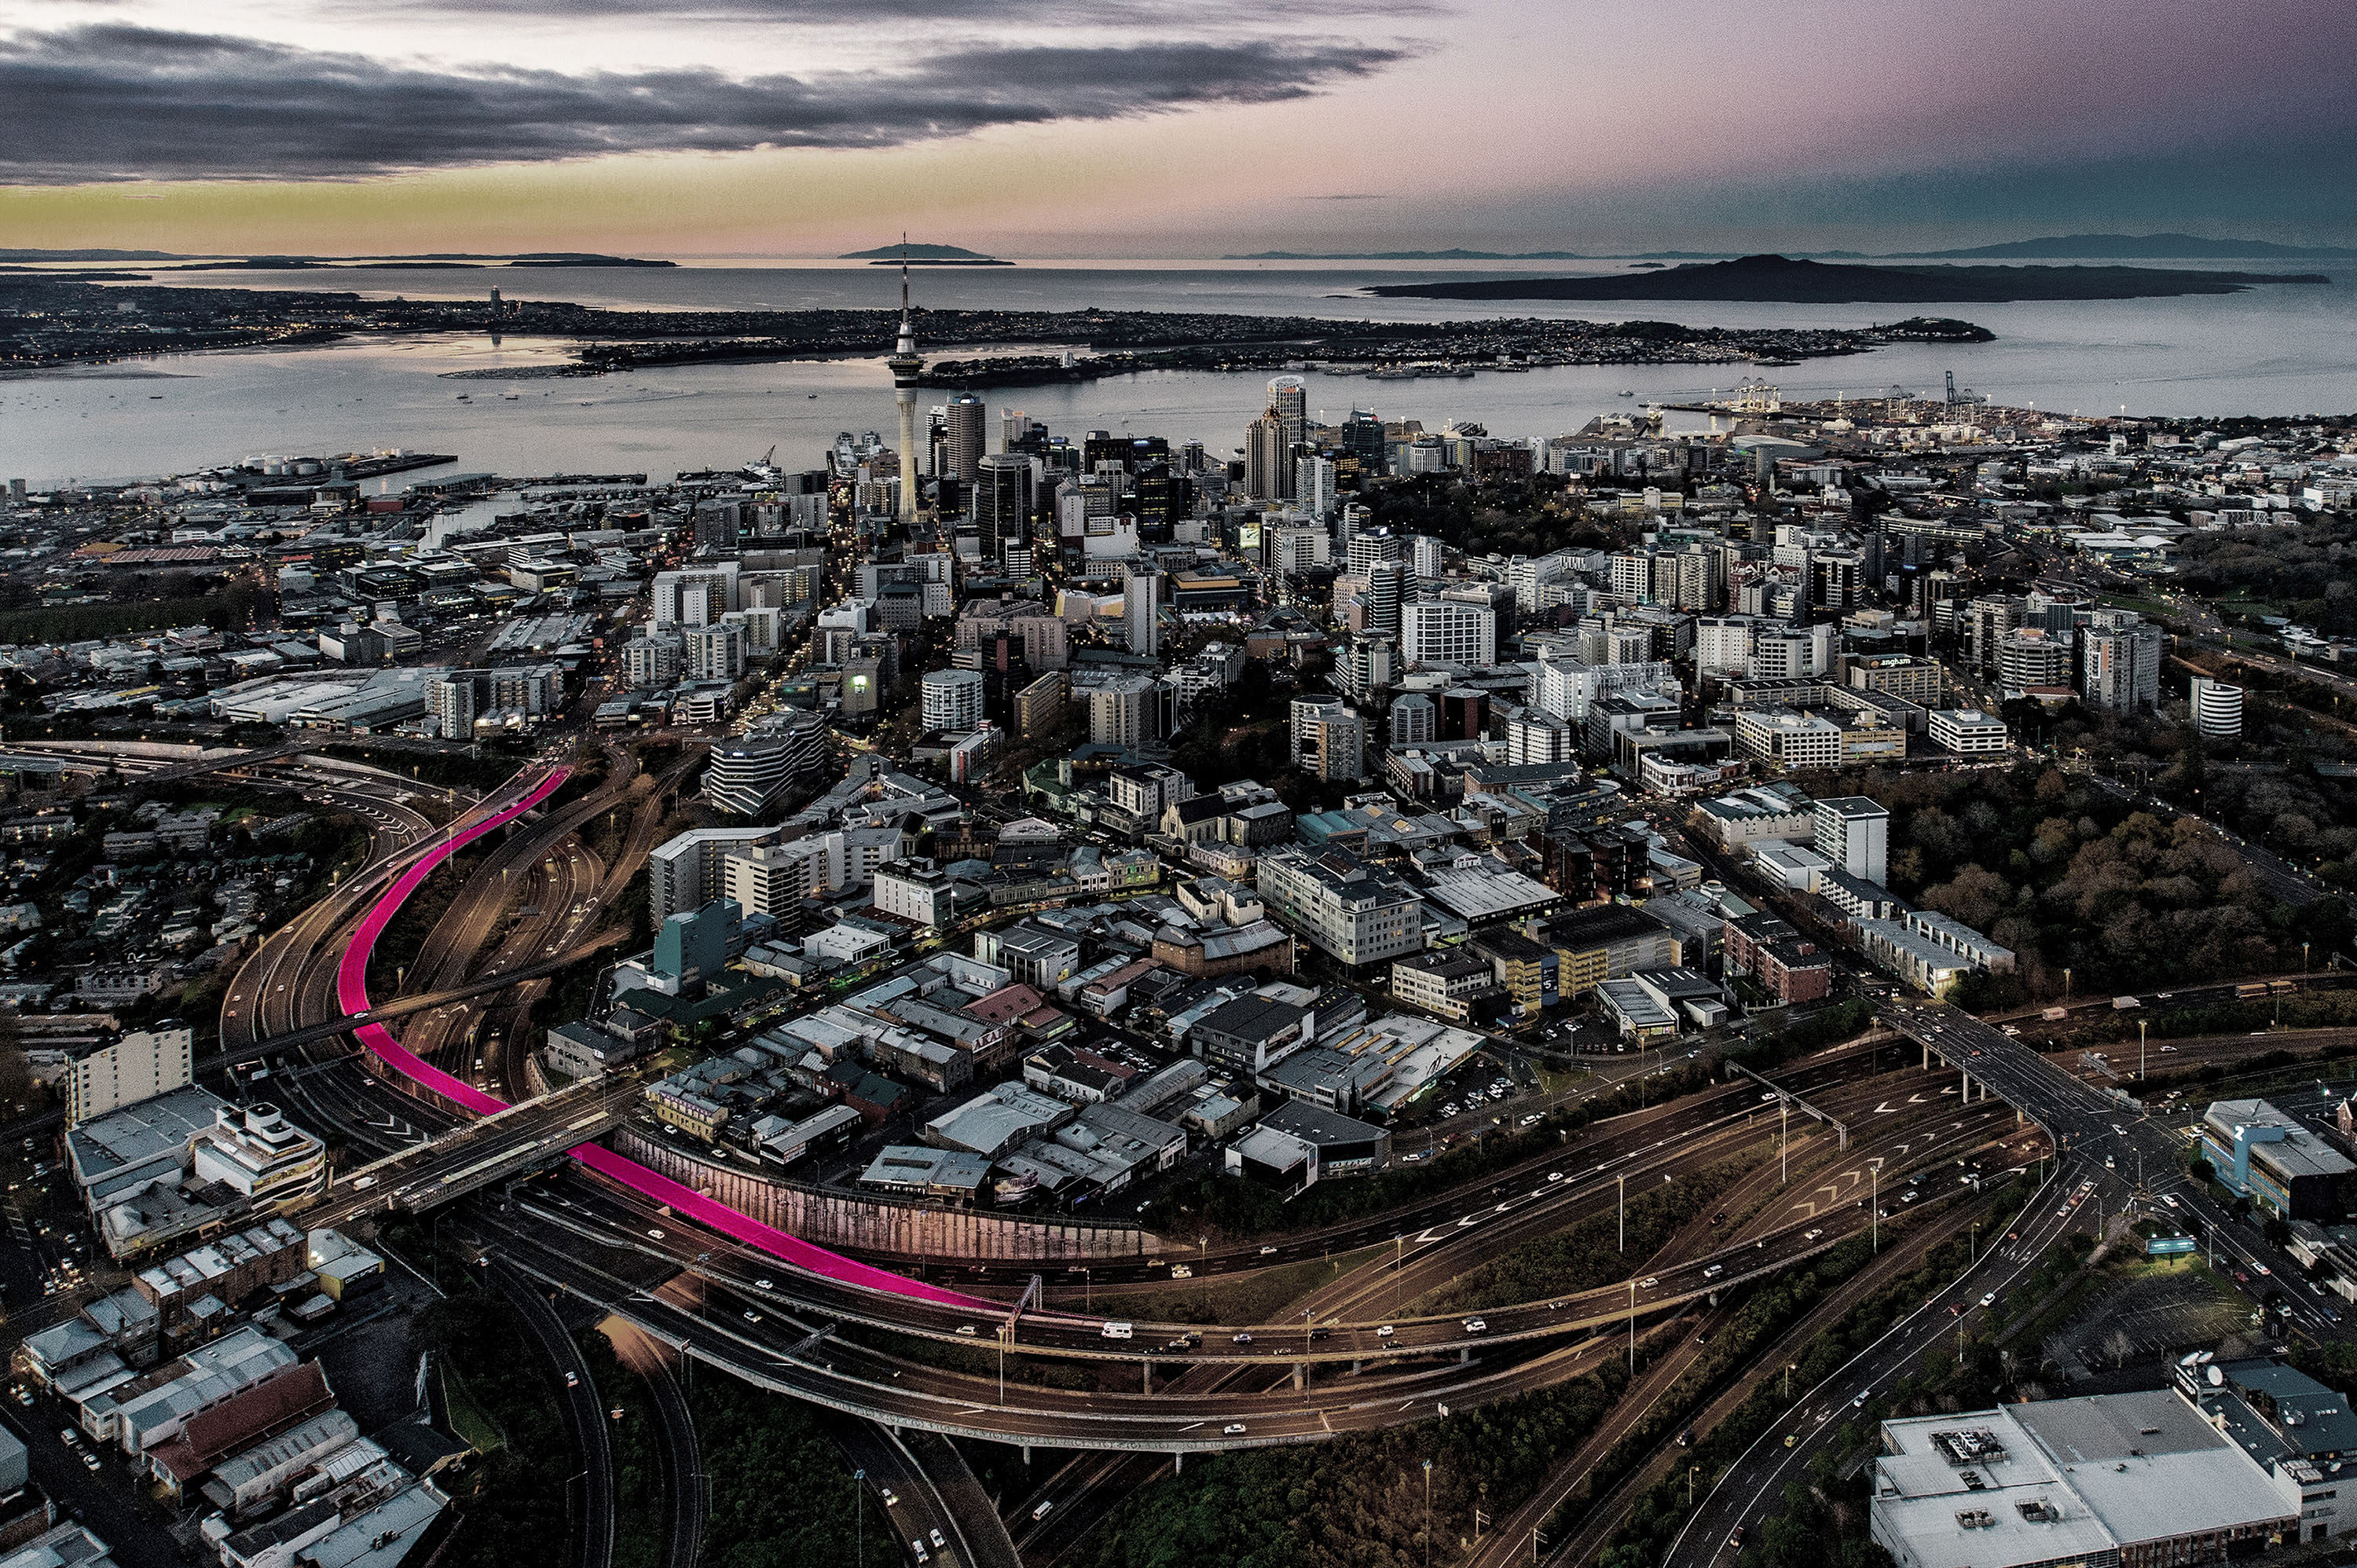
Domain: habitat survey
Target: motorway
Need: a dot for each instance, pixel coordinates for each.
(584, 1413)
(2084, 1192)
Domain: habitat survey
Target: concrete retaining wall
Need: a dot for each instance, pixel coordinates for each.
(883, 1225)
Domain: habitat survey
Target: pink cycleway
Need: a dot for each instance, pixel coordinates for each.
(351, 994)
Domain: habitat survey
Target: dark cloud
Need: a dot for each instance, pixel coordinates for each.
(120, 102)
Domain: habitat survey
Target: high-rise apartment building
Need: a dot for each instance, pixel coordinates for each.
(1268, 460)
(1425, 557)
(2119, 662)
(961, 437)
(1448, 632)
(1141, 609)
(1854, 833)
(451, 706)
(1313, 485)
(951, 699)
(2217, 708)
(1386, 591)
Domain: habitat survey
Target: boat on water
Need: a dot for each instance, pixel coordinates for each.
(1626, 392)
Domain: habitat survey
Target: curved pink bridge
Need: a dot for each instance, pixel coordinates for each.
(352, 992)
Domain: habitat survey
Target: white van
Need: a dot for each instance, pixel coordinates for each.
(1117, 1331)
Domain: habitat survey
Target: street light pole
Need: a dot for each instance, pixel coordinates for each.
(1427, 1514)
(1874, 1209)
(1633, 1328)
(2140, 1028)
(859, 1515)
(1621, 1182)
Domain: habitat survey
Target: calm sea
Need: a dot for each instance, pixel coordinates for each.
(2277, 349)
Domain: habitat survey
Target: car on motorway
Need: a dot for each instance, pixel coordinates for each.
(1811, 1235)
(1648, 1282)
(918, 1548)
(1182, 1272)
(362, 1184)
(763, 1284)
(1233, 1428)
(1475, 1325)
(1385, 1332)
(656, 1234)
(1713, 1272)
(1268, 1252)
(1244, 1339)
(572, 1380)
(752, 1316)
(2171, 1199)
(1042, 1511)
(1735, 1540)
(892, 1499)
(1863, 1395)
(966, 1330)
(940, 1542)
(1553, 1176)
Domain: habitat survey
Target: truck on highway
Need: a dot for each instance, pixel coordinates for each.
(2122, 1004)
(1117, 1331)
(2255, 988)
(2055, 1014)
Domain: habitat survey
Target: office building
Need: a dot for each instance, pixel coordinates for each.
(951, 699)
(748, 776)
(2217, 708)
(1288, 400)
(2031, 655)
(2276, 1160)
(2133, 1480)
(1356, 913)
(999, 501)
(1854, 833)
(1965, 730)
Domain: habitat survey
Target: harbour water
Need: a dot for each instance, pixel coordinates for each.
(2278, 349)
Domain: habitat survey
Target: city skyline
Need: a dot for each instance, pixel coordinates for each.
(803, 128)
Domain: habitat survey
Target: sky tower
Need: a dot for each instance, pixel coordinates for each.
(905, 368)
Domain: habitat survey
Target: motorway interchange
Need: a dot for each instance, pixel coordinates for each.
(1357, 1361)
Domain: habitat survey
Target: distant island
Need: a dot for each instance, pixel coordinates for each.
(1786, 280)
(923, 256)
(2132, 247)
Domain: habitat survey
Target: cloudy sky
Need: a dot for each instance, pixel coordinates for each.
(1132, 128)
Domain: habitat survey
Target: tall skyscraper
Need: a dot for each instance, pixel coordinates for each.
(1362, 435)
(1000, 503)
(1289, 398)
(1268, 471)
(963, 437)
(906, 366)
(1141, 607)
